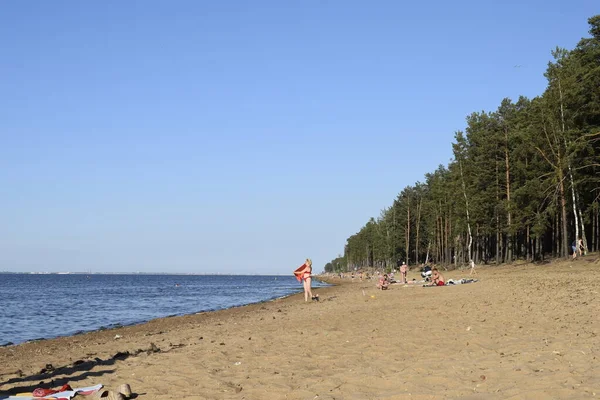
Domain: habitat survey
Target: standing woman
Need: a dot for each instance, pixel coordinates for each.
(403, 271)
(304, 274)
(580, 246)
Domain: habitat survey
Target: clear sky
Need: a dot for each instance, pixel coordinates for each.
(241, 136)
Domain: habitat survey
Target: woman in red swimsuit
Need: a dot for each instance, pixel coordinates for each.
(304, 274)
(307, 280)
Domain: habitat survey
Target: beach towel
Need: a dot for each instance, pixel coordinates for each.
(452, 282)
(65, 395)
(460, 281)
(300, 271)
(43, 392)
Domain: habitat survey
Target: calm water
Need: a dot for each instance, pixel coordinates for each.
(45, 306)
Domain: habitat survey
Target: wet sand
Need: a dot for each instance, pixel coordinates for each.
(521, 332)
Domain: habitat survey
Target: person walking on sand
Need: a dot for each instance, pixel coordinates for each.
(574, 248)
(304, 274)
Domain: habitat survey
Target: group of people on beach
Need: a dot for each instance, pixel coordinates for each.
(432, 275)
(385, 279)
(304, 275)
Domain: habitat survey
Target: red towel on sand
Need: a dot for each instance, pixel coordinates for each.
(40, 392)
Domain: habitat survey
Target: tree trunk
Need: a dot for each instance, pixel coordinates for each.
(562, 189)
(597, 237)
(477, 245)
(558, 251)
(593, 244)
(446, 240)
(595, 226)
(498, 254)
(583, 236)
(528, 247)
(563, 208)
(407, 239)
(464, 188)
(509, 250)
(440, 251)
(437, 238)
(419, 206)
(574, 204)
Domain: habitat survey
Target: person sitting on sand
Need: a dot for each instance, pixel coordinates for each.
(437, 279)
(383, 282)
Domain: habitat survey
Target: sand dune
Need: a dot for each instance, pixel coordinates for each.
(521, 332)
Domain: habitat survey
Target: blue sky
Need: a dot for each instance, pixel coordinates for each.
(238, 136)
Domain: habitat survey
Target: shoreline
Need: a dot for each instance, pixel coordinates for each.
(119, 324)
(107, 346)
(495, 338)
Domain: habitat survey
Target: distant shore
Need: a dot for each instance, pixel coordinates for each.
(523, 331)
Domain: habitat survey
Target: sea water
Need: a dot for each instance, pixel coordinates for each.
(36, 306)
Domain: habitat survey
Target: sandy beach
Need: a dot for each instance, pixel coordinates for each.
(521, 332)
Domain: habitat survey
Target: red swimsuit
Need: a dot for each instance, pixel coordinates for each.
(303, 272)
(306, 275)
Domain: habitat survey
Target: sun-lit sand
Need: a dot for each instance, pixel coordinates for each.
(521, 332)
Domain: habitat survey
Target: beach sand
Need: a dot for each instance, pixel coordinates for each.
(521, 332)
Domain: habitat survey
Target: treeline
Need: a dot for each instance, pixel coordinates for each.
(523, 183)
